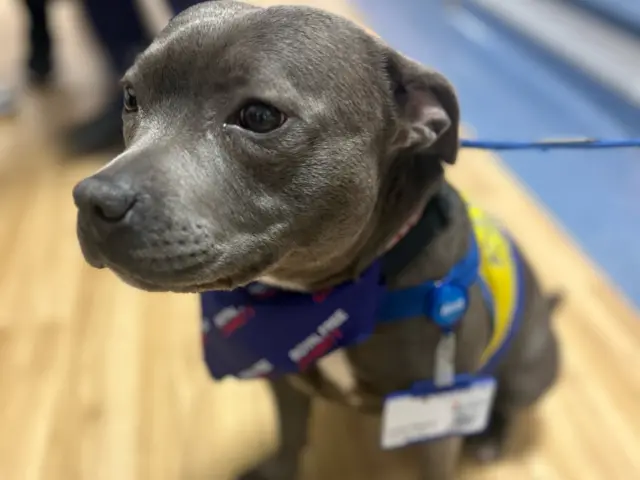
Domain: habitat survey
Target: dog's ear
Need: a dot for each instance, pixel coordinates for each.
(426, 108)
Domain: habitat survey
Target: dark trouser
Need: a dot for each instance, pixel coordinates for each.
(120, 29)
(39, 38)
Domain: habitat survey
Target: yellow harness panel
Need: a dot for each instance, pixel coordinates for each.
(499, 271)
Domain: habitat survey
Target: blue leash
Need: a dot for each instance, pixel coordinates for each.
(584, 143)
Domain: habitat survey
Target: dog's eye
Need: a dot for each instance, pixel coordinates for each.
(260, 118)
(130, 100)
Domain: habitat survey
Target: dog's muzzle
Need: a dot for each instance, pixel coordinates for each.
(106, 208)
(153, 244)
(103, 205)
(133, 233)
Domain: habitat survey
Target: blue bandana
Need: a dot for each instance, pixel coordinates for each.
(259, 330)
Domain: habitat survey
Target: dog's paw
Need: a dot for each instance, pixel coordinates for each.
(489, 445)
(486, 449)
(252, 476)
(555, 300)
(260, 474)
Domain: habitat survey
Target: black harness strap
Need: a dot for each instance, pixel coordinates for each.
(435, 218)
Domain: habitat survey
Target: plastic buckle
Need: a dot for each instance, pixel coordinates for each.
(446, 303)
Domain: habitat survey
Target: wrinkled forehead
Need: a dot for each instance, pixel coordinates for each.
(307, 53)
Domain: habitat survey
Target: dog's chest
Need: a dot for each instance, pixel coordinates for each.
(393, 358)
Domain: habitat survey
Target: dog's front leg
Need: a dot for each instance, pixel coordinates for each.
(293, 414)
(439, 460)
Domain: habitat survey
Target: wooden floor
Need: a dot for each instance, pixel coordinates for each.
(102, 382)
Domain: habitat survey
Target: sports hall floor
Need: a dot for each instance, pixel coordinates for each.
(99, 381)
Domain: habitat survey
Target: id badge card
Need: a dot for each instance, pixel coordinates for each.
(427, 412)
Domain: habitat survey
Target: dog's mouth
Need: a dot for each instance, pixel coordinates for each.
(193, 279)
(173, 271)
(223, 283)
(182, 282)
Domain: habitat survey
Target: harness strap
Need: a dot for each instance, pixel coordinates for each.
(435, 218)
(503, 334)
(445, 301)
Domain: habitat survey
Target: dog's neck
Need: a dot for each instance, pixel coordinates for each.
(403, 196)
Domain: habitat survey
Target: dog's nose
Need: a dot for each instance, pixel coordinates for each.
(104, 199)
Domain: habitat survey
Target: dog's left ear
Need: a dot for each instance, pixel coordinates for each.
(426, 108)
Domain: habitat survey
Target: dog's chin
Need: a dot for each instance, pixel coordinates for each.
(192, 281)
(92, 257)
(169, 272)
(169, 287)
(182, 285)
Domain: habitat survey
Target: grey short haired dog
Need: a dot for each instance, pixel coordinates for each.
(286, 144)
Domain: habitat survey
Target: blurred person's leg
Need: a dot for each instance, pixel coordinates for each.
(119, 28)
(121, 31)
(39, 63)
(180, 5)
(7, 101)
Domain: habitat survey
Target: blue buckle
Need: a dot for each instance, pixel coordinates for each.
(446, 303)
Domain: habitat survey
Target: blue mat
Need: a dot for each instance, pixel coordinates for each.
(509, 91)
(623, 13)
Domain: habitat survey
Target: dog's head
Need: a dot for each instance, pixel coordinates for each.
(259, 141)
